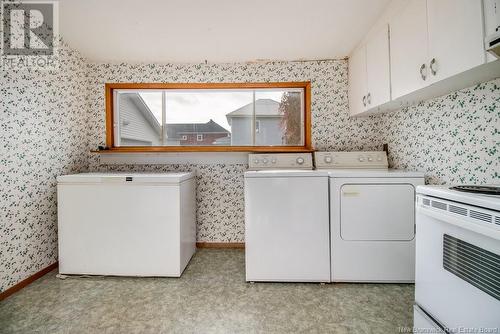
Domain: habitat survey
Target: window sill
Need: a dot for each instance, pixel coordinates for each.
(205, 149)
(137, 157)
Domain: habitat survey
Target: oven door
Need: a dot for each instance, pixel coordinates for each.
(457, 279)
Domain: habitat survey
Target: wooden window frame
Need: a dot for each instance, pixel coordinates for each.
(110, 87)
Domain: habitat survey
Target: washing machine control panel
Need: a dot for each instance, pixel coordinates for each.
(368, 160)
(280, 161)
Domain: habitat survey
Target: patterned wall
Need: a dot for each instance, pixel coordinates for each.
(43, 134)
(220, 211)
(50, 120)
(453, 139)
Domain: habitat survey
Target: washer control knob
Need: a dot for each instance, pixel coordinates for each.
(300, 160)
(328, 159)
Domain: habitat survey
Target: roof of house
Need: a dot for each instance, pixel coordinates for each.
(263, 107)
(176, 130)
(146, 112)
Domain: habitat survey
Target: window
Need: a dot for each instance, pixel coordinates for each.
(257, 126)
(208, 117)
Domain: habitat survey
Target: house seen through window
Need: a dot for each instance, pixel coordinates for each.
(209, 117)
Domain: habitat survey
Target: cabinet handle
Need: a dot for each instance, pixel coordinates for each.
(369, 98)
(422, 68)
(364, 100)
(431, 66)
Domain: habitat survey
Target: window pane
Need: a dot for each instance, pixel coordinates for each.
(208, 117)
(139, 119)
(279, 118)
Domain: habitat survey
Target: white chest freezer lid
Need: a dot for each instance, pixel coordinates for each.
(173, 178)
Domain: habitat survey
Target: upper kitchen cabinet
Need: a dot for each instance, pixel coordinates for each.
(456, 43)
(409, 54)
(378, 72)
(433, 48)
(357, 81)
(369, 74)
(433, 40)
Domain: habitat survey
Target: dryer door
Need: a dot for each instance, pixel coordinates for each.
(377, 212)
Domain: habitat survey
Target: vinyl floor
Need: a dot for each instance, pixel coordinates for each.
(211, 297)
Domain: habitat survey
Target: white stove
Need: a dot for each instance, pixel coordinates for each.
(491, 202)
(457, 282)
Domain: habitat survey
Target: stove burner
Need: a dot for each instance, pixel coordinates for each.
(487, 190)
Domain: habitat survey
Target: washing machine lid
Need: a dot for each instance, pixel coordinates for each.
(125, 177)
(286, 173)
(374, 173)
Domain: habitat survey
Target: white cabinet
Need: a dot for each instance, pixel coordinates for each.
(433, 40)
(408, 34)
(429, 48)
(369, 74)
(456, 42)
(378, 69)
(357, 81)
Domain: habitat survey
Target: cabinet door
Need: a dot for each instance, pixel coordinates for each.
(408, 40)
(455, 37)
(377, 69)
(357, 81)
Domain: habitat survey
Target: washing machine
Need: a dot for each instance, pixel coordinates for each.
(287, 235)
(372, 217)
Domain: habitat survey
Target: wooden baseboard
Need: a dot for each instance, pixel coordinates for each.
(236, 245)
(27, 281)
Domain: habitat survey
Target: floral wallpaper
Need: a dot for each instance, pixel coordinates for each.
(453, 139)
(51, 120)
(43, 135)
(220, 210)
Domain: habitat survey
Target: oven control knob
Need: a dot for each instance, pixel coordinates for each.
(379, 158)
(300, 160)
(256, 161)
(370, 159)
(361, 159)
(328, 160)
(265, 161)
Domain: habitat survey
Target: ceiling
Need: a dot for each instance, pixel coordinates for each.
(182, 31)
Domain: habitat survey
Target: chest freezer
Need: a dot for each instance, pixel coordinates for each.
(126, 224)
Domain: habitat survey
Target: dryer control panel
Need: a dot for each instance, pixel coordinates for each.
(280, 161)
(344, 160)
